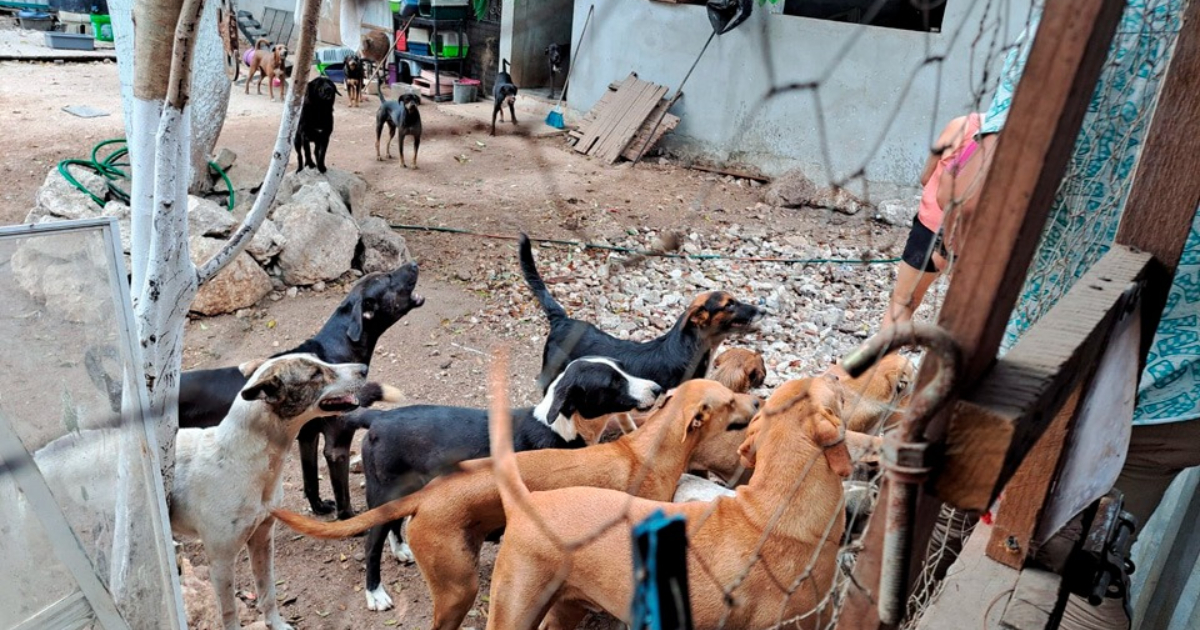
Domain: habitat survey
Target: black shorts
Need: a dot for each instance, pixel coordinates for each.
(918, 251)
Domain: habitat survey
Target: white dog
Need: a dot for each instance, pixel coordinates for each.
(228, 477)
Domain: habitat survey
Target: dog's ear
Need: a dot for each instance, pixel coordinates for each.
(358, 316)
(832, 440)
(249, 367)
(696, 418)
(268, 387)
(562, 403)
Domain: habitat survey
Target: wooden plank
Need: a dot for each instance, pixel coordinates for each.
(613, 112)
(631, 122)
(1162, 198)
(615, 116)
(971, 586)
(1025, 494)
(1064, 64)
(999, 421)
(659, 122)
(590, 116)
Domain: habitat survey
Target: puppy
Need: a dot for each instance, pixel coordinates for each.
(739, 369)
(455, 514)
(402, 116)
(407, 447)
(270, 63)
(316, 123)
(681, 354)
(504, 94)
(353, 67)
(883, 389)
(776, 532)
(558, 55)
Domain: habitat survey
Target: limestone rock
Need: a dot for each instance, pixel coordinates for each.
(267, 242)
(240, 284)
(68, 273)
(897, 211)
(60, 200)
(320, 243)
(351, 188)
(382, 248)
(206, 218)
(794, 189)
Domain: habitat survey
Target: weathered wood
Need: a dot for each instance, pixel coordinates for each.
(729, 171)
(629, 89)
(998, 422)
(1165, 191)
(629, 124)
(975, 588)
(1036, 601)
(1031, 156)
(1025, 494)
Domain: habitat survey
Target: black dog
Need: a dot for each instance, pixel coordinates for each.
(349, 336)
(559, 56)
(355, 78)
(316, 122)
(681, 354)
(505, 93)
(402, 115)
(406, 448)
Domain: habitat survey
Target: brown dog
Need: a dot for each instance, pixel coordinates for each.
(453, 515)
(775, 543)
(738, 369)
(269, 62)
(883, 390)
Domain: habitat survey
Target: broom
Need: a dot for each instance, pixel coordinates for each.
(555, 117)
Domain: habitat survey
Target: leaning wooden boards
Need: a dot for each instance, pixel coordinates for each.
(623, 119)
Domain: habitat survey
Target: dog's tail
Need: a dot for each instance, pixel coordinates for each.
(554, 310)
(505, 65)
(386, 513)
(379, 91)
(512, 488)
(258, 43)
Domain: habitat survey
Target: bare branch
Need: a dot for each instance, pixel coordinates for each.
(281, 153)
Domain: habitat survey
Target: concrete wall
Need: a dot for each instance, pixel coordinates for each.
(879, 106)
(527, 28)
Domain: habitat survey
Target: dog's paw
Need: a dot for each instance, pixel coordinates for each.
(378, 599)
(323, 507)
(400, 551)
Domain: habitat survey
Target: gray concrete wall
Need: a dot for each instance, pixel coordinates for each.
(879, 105)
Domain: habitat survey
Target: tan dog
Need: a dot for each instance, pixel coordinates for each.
(883, 390)
(780, 532)
(269, 62)
(453, 515)
(738, 369)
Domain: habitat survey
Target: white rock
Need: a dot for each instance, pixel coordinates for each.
(320, 243)
(382, 248)
(206, 218)
(242, 283)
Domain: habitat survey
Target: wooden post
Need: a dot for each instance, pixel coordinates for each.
(1031, 156)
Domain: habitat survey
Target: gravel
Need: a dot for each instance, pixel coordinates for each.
(815, 312)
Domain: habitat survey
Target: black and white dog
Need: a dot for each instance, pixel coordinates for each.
(316, 123)
(349, 336)
(504, 94)
(408, 447)
(559, 56)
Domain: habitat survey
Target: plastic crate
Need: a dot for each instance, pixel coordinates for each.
(102, 28)
(35, 20)
(418, 35)
(332, 55)
(69, 41)
(420, 49)
(449, 45)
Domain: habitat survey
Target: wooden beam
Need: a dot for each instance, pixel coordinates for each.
(1165, 191)
(1058, 80)
(996, 423)
(1036, 602)
(1025, 493)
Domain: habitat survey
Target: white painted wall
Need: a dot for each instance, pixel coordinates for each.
(864, 74)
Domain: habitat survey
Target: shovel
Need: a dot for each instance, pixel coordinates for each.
(555, 117)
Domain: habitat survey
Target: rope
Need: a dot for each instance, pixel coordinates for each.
(645, 252)
(109, 169)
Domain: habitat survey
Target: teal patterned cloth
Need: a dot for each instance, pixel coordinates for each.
(1087, 208)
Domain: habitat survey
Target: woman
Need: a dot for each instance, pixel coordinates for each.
(924, 253)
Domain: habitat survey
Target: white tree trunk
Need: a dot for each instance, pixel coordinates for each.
(283, 146)
(209, 97)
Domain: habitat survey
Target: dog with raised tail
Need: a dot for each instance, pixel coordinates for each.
(270, 62)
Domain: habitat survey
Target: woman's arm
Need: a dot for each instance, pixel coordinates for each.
(948, 141)
(958, 192)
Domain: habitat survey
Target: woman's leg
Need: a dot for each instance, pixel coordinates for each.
(911, 285)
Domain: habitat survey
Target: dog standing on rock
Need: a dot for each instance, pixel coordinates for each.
(505, 93)
(316, 123)
(402, 117)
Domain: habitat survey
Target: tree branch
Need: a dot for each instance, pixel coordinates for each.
(180, 86)
(282, 152)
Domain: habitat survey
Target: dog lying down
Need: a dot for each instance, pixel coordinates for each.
(790, 530)
(229, 477)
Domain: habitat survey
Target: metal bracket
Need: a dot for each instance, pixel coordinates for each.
(1101, 566)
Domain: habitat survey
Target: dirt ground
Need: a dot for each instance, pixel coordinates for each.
(467, 179)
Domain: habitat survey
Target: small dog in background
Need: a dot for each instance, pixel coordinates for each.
(505, 93)
(559, 56)
(402, 118)
(353, 67)
(270, 62)
(316, 123)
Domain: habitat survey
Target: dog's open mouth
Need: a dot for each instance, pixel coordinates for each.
(342, 402)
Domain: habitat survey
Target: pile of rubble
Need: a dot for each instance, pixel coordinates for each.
(318, 231)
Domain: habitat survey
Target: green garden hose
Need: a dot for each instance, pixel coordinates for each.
(110, 168)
